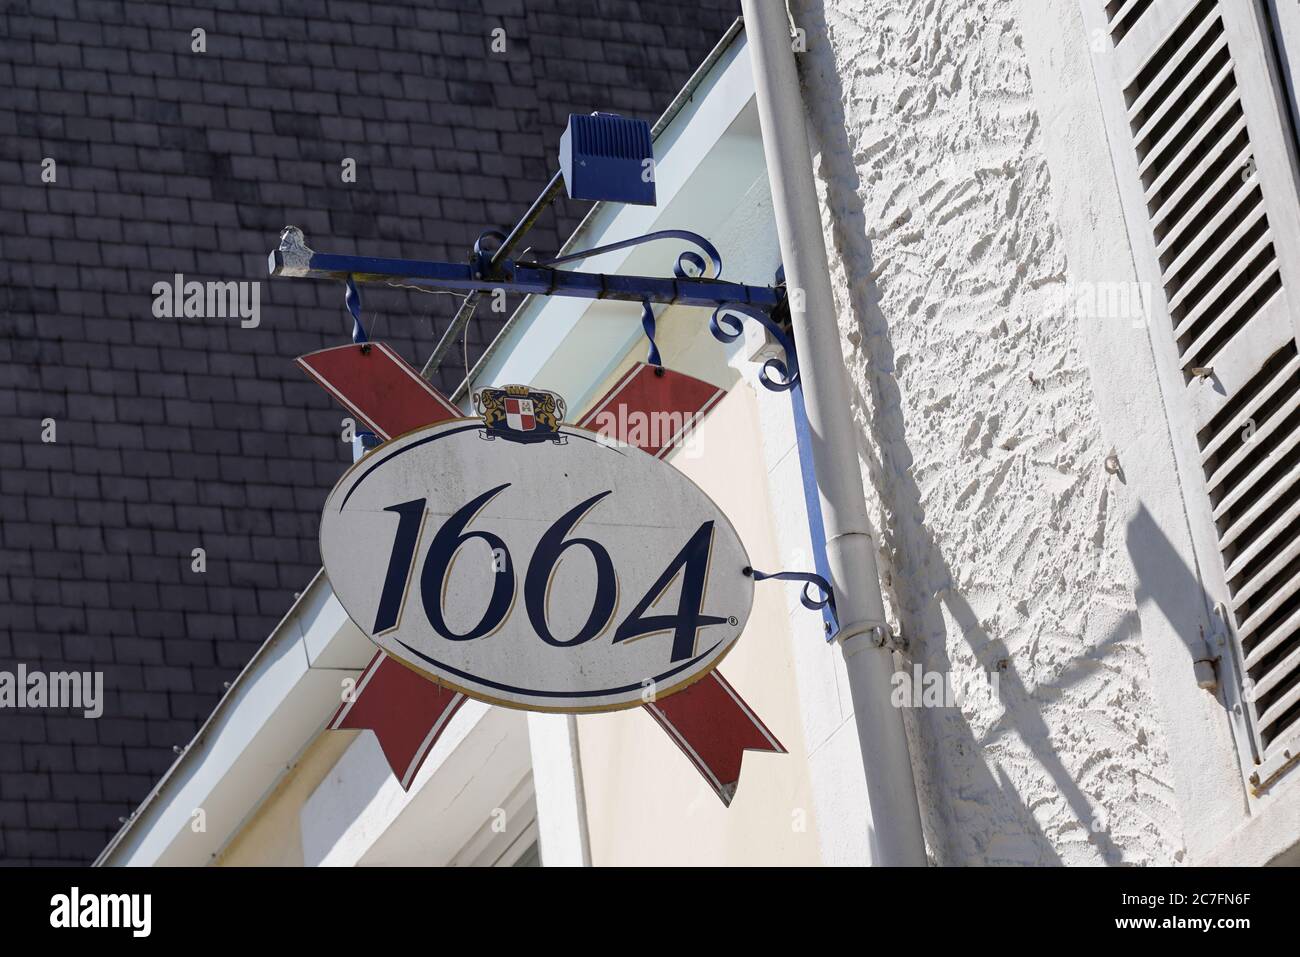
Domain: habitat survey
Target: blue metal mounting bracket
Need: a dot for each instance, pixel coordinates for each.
(732, 302)
(295, 258)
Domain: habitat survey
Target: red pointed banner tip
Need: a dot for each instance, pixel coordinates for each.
(407, 712)
(653, 409)
(714, 727)
(379, 387)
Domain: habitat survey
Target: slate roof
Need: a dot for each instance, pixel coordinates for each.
(174, 434)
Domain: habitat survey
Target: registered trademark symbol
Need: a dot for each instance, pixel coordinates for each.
(732, 620)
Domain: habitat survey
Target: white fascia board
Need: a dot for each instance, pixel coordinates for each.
(360, 816)
(702, 169)
(273, 710)
(558, 790)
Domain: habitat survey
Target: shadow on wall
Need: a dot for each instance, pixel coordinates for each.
(1165, 581)
(972, 810)
(1162, 576)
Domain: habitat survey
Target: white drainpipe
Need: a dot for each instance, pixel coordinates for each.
(894, 823)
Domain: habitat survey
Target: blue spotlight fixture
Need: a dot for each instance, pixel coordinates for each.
(607, 157)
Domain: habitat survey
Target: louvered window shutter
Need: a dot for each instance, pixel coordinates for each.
(1200, 129)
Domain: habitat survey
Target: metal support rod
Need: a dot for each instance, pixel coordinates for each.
(466, 311)
(293, 258)
(894, 820)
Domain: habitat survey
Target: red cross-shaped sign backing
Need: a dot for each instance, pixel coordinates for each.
(708, 720)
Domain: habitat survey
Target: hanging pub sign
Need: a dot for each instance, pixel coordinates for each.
(523, 561)
(534, 564)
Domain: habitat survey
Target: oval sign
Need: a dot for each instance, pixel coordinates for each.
(563, 572)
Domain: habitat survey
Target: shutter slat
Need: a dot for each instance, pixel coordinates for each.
(1156, 150)
(1238, 363)
(1189, 216)
(1147, 36)
(1191, 76)
(1209, 157)
(1122, 13)
(1212, 260)
(1229, 208)
(1172, 64)
(1247, 484)
(1192, 351)
(1251, 516)
(1247, 411)
(1278, 673)
(1227, 279)
(1265, 611)
(1279, 635)
(1279, 707)
(1195, 145)
(1265, 575)
(1263, 431)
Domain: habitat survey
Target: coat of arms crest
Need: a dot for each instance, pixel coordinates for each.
(519, 413)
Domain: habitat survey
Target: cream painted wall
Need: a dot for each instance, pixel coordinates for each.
(646, 804)
(273, 836)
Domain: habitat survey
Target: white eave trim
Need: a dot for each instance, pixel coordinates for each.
(273, 710)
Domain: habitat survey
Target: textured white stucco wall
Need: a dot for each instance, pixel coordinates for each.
(1002, 533)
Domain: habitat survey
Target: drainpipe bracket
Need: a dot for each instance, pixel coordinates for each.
(859, 635)
(1206, 672)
